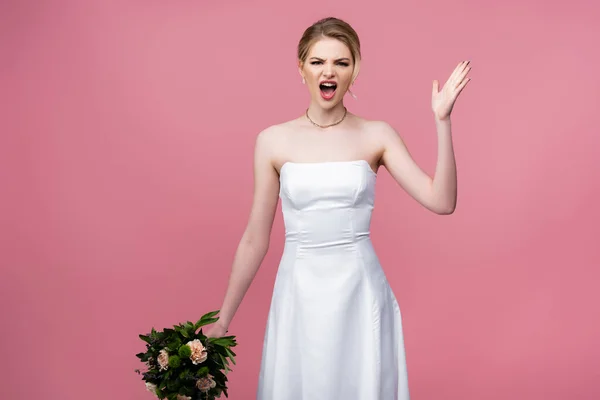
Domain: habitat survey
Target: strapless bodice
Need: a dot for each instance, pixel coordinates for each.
(327, 203)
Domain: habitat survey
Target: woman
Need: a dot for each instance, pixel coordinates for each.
(334, 328)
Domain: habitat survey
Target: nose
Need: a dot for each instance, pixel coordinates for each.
(328, 70)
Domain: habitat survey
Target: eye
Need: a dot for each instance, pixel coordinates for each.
(345, 64)
(315, 62)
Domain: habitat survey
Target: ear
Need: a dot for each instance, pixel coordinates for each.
(356, 71)
(300, 67)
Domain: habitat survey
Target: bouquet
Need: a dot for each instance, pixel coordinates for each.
(183, 364)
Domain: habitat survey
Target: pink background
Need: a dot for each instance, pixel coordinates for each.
(126, 150)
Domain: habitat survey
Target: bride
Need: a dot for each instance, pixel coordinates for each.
(334, 329)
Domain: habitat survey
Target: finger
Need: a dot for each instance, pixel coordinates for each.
(464, 66)
(456, 76)
(436, 87)
(456, 71)
(462, 76)
(462, 86)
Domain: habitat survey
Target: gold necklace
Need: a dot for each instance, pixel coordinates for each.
(327, 126)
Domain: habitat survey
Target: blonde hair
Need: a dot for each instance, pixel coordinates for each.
(335, 28)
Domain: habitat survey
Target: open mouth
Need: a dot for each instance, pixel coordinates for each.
(327, 89)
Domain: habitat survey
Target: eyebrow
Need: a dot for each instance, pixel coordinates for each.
(339, 59)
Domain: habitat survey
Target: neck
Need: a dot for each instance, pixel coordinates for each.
(326, 116)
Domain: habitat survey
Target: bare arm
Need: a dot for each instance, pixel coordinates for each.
(254, 243)
(437, 194)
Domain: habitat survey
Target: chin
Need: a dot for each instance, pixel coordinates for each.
(328, 104)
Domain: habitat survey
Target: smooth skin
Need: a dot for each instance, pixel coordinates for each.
(355, 138)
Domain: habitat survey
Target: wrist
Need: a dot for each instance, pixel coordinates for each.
(439, 120)
(443, 126)
(222, 324)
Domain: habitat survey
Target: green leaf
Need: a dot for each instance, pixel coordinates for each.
(231, 355)
(219, 350)
(207, 318)
(225, 365)
(231, 351)
(219, 375)
(145, 338)
(224, 361)
(222, 341)
(227, 340)
(201, 323)
(210, 314)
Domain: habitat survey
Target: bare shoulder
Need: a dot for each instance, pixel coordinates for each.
(284, 126)
(387, 140)
(275, 135)
(380, 130)
(272, 141)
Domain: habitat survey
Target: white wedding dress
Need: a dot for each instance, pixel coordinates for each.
(334, 329)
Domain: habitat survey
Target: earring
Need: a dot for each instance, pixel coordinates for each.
(350, 91)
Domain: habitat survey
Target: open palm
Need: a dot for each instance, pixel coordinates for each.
(443, 101)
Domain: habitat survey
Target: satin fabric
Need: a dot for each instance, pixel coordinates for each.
(334, 328)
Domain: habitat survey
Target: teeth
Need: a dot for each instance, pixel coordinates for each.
(328, 84)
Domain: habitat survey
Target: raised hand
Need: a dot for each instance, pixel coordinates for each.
(443, 101)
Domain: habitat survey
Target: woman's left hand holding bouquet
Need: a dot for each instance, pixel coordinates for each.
(215, 330)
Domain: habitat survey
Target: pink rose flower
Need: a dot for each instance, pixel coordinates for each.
(163, 359)
(206, 383)
(199, 354)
